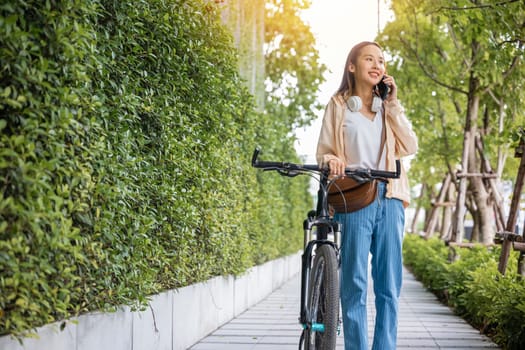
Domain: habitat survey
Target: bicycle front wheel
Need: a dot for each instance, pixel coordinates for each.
(323, 301)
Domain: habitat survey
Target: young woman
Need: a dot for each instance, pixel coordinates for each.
(351, 136)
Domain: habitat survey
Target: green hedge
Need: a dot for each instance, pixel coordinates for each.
(125, 146)
(473, 286)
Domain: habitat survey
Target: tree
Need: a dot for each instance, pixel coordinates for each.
(460, 64)
(293, 70)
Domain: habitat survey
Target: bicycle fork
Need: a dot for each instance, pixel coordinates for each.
(324, 228)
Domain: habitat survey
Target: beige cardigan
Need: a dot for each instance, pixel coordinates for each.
(400, 141)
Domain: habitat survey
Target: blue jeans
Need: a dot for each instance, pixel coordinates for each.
(378, 229)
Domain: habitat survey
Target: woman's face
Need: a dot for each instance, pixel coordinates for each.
(369, 67)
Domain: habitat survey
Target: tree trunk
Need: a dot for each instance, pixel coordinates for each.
(484, 219)
(475, 234)
(437, 205)
(413, 226)
(447, 213)
(429, 193)
(458, 228)
(496, 200)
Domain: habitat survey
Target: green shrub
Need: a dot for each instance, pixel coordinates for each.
(125, 146)
(48, 143)
(433, 273)
(473, 286)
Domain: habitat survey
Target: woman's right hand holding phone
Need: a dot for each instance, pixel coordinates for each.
(392, 87)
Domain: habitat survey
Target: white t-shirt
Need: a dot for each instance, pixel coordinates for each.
(362, 141)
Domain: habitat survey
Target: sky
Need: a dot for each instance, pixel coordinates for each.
(337, 26)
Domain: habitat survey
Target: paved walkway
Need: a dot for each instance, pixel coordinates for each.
(424, 323)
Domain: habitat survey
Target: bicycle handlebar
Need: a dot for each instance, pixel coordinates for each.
(294, 169)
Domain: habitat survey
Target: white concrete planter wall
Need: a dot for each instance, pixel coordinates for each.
(175, 320)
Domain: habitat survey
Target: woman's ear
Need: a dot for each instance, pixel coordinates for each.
(351, 68)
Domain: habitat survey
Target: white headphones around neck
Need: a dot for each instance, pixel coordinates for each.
(354, 103)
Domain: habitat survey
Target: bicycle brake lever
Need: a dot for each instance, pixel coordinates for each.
(287, 172)
(360, 175)
(255, 156)
(360, 179)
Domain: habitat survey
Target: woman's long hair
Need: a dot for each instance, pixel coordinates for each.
(348, 81)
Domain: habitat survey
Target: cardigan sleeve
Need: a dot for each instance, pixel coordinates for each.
(405, 139)
(326, 148)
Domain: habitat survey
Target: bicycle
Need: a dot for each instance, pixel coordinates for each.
(319, 309)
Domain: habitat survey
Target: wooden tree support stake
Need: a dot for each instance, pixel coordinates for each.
(432, 222)
(514, 206)
(485, 176)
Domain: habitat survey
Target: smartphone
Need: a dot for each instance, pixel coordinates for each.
(382, 89)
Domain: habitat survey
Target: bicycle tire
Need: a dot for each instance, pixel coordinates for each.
(323, 301)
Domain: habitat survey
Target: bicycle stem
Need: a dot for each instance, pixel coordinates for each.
(322, 197)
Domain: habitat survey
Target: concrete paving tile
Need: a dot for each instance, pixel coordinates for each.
(215, 346)
(257, 332)
(253, 326)
(266, 321)
(456, 328)
(218, 339)
(474, 334)
(415, 332)
(417, 343)
(277, 340)
(274, 347)
(480, 343)
(475, 347)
